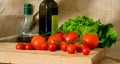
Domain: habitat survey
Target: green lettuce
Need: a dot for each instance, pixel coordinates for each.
(84, 24)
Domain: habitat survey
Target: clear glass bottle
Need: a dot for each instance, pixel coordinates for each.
(25, 34)
(48, 17)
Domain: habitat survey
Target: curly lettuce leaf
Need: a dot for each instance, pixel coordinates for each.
(109, 38)
(82, 25)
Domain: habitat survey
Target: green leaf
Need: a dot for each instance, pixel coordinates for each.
(83, 24)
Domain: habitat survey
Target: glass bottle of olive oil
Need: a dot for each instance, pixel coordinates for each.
(48, 17)
(25, 34)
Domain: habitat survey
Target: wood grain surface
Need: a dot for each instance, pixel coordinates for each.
(9, 54)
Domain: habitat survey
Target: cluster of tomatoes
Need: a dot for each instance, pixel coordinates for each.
(68, 42)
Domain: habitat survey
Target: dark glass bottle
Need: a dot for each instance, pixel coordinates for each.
(25, 34)
(48, 17)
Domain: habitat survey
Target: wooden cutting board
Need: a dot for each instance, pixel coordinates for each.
(9, 54)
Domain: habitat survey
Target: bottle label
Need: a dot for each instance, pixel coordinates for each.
(54, 23)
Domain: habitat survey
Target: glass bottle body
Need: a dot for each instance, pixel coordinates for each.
(25, 31)
(48, 11)
(25, 34)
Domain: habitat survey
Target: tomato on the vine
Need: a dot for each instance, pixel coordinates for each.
(28, 46)
(85, 50)
(52, 47)
(71, 48)
(74, 34)
(20, 46)
(70, 37)
(59, 34)
(78, 46)
(44, 46)
(55, 39)
(37, 41)
(90, 40)
(65, 36)
(63, 46)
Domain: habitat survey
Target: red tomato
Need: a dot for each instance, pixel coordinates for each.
(85, 50)
(63, 46)
(78, 46)
(90, 40)
(74, 34)
(37, 41)
(28, 46)
(71, 48)
(65, 37)
(59, 33)
(54, 39)
(52, 47)
(44, 46)
(70, 37)
(20, 46)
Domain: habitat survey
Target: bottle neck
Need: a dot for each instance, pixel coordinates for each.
(25, 28)
(27, 18)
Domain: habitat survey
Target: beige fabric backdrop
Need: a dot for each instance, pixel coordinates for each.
(11, 17)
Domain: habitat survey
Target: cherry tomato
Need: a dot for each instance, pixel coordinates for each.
(52, 47)
(28, 46)
(70, 37)
(65, 37)
(78, 46)
(54, 39)
(71, 48)
(37, 41)
(74, 34)
(44, 46)
(90, 40)
(59, 33)
(20, 46)
(63, 46)
(85, 50)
